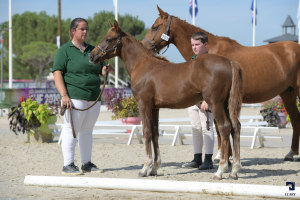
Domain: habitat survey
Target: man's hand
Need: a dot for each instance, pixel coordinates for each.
(204, 106)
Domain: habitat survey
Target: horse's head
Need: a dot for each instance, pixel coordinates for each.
(109, 46)
(158, 35)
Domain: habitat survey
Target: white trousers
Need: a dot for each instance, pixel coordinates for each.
(199, 130)
(84, 122)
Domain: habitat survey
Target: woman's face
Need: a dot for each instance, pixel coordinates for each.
(80, 33)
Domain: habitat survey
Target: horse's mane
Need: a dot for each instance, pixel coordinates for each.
(132, 38)
(208, 33)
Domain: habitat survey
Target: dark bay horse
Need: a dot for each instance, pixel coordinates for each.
(157, 83)
(268, 70)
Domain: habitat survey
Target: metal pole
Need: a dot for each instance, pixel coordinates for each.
(2, 32)
(298, 16)
(58, 25)
(194, 12)
(10, 46)
(116, 58)
(2, 43)
(1, 71)
(254, 23)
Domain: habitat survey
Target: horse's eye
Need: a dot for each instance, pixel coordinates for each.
(154, 28)
(108, 40)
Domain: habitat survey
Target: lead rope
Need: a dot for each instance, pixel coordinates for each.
(71, 108)
(207, 120)
(206, 114)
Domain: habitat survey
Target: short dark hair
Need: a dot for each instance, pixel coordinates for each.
(74, 25)
(200, 36)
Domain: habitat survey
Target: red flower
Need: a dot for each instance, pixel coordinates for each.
(22, 99)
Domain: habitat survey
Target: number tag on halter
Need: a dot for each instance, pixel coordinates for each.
(165, 37)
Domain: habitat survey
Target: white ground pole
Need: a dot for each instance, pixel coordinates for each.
(165, 186)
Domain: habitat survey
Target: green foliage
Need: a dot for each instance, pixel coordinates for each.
(142, 34)
(31, 27)
(98, 26)
(122, 106)
(128, 107)
(39, 56)
(32, 110)
(28, 116)
(131, 25)
(27, 28)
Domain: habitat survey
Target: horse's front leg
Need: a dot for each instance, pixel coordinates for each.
(289, 100)
(148, 163)
(146, 115)
(155, 136)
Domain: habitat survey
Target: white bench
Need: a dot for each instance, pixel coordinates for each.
(118, 129)
(257, 127)
(249, 118)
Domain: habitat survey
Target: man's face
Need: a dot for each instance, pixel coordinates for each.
(198, 47)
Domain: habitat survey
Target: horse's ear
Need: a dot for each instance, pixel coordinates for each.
(110, 24)
(162, 14)
(116, 25)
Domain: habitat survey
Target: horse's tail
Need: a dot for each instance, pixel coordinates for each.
(236, 95)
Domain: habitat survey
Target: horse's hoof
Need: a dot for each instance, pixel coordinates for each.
(217, 178)
(153, 173)
(142, 174)
(229, 163)
(233, 177)
(288, 159)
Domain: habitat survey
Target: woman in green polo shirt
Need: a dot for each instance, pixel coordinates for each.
(78, 82)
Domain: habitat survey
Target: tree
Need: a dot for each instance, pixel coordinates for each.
(30, 27)
(131, 25)
(142, 34)
(38, 55)
(33, 27)
(99, 24)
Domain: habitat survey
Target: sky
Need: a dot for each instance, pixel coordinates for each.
(230, 18)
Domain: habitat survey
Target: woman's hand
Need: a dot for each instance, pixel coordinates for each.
(66, 101)
(107, 68)
(60, 85)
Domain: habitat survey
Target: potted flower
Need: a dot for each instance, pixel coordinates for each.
(274, 112)
(128, 108)
(32, 118)
(113, 96)
(122, 105)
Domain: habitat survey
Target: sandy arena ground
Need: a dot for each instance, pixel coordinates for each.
(260, 165)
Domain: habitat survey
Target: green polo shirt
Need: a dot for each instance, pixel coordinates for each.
(81, 77)
(194, 56)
